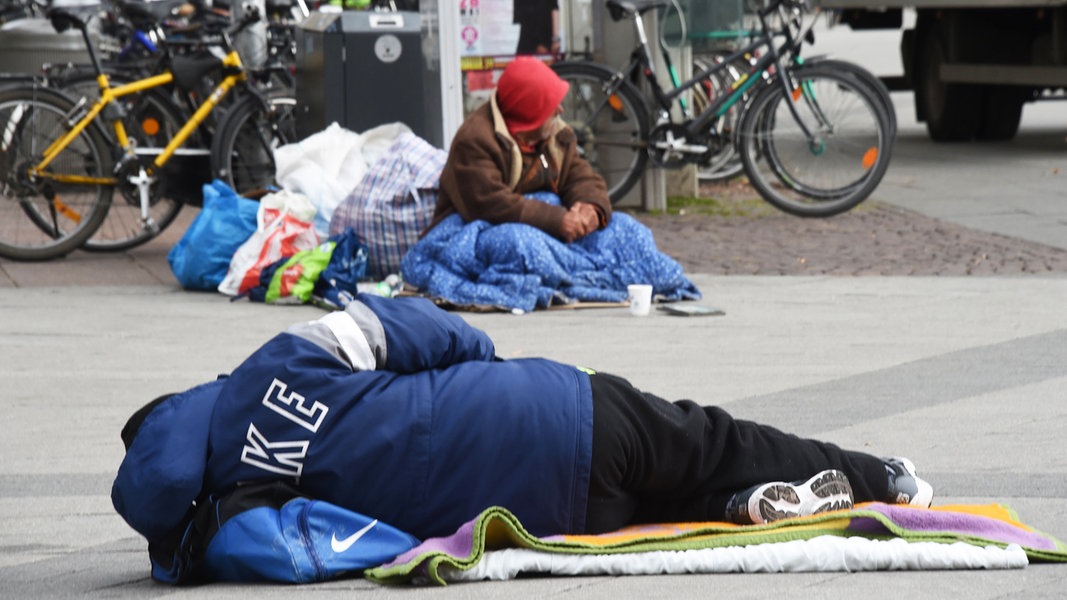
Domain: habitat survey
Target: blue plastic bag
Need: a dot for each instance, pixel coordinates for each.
(202, 256)
(338, 282)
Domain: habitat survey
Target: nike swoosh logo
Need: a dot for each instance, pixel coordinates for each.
(340, 546)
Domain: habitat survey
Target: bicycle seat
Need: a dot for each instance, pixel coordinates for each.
(64, 18)
(620, 10)
(189, 70)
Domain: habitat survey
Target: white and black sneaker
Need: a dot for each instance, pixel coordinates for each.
(904, 486)
(767, 502)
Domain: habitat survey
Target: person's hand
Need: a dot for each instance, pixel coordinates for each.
(579, 221)
(589, 215)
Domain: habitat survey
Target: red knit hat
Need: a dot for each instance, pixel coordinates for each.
(528, 92)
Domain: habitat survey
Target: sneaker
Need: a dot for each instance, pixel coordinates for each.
(826, 491)
(904, 486)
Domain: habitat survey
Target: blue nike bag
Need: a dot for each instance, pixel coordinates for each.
(271, 533)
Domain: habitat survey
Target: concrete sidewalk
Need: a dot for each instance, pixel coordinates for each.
(966, 376)
(1016, 188)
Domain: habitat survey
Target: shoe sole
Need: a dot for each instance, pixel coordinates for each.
(827, 491)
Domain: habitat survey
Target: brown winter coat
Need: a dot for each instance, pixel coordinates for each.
(483, 172)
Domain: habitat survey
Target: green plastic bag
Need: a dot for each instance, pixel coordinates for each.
(292, 280)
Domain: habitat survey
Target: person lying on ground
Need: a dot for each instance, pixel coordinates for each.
(516, 144)
(399, 410)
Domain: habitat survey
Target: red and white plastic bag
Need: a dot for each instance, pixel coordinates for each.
(285, 226)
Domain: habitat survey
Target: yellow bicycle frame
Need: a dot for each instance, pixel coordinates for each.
(108, 94)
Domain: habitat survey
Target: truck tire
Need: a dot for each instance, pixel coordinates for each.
(952, 110)
(1001, 113)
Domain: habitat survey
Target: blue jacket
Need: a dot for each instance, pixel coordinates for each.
(393, 408)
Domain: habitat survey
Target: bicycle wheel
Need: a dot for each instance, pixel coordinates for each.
(835, 168)
(610, 120)
(242, 154)
(809, 96)
(43, 217)
(726, 163)
(866, 78)
(151, 121)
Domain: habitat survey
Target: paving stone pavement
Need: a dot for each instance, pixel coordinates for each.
(877, 238)
(874, 239)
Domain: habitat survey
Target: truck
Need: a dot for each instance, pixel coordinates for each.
(972, 64)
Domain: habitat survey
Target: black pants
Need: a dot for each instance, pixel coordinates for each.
(657, 461)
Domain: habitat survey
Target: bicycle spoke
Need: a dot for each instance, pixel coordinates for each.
(243, 155)
(49, 214)
(820, 149)
(610, 121)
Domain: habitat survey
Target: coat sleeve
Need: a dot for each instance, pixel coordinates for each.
(401, 335)
(578, 181)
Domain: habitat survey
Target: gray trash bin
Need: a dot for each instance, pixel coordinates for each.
(362, 69)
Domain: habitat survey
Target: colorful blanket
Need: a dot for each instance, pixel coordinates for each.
(872, 536)
(516, 266)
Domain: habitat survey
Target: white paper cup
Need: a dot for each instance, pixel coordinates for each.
(640, 297)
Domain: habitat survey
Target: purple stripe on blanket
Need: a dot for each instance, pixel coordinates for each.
(932, 521)
(460, 544)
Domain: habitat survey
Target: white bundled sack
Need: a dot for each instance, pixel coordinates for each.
(328, 165)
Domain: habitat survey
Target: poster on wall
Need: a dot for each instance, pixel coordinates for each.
(492, 32)
(487, 28)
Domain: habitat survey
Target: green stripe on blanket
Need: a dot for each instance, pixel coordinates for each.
(496, 528)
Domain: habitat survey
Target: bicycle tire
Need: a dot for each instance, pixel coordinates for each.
(867, 78)
(610, 119)
(151, 120)
(875, 86)
(883, 151)
(32, 118)
(726, 163)
(827, 176)
(242, 154)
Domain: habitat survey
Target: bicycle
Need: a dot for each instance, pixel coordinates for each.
(726, 164)
(156, 115)
(59, 168)
(814, 139)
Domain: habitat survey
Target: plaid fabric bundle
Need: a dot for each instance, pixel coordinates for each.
(393, 202)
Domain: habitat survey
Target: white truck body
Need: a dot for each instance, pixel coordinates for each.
(972, 64)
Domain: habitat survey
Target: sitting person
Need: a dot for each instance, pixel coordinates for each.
(515, 144)
(398, 410)
(522, 221)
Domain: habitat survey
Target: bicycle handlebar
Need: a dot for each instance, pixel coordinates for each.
(215, 31)
(63, 19)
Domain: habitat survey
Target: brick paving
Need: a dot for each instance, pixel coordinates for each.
(873, 239)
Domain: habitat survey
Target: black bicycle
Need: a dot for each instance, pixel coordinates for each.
(814, 138)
